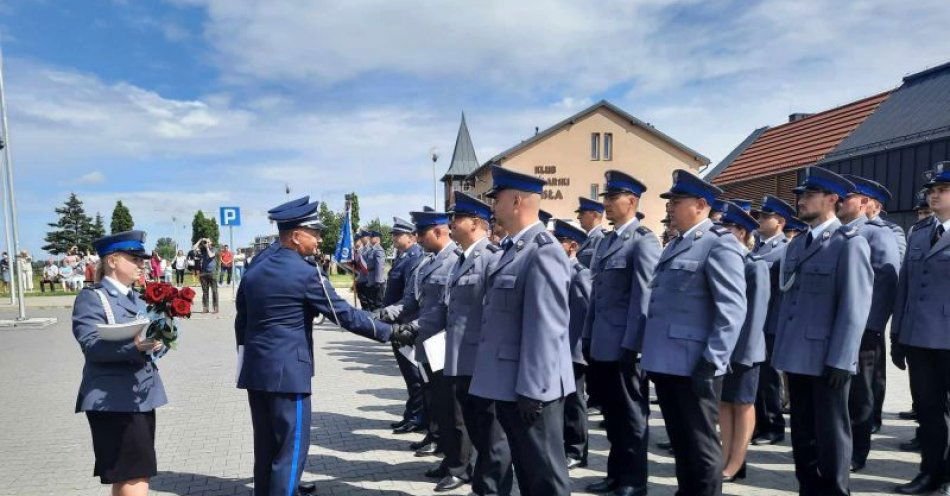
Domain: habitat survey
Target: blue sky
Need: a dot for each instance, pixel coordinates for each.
(180, 105)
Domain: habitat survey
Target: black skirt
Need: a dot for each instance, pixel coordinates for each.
(740, 385)
(124, 444)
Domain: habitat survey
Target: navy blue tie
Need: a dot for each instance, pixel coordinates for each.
(507, 243)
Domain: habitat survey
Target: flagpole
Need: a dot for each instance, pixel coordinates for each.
(11, 203)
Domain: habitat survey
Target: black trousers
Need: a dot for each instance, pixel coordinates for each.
(413, 378)
(691, 423)
(374, 296)
(281, 440)
(821, 435)
(930, 383)
(208, 284)
(493, 473)
(537, 449)
(625, 399)
(880, 380)
(575, 417)
(430, 403)
(361, 295)
(179, 277)
(862, 398)
(453, 437)
(768, 401)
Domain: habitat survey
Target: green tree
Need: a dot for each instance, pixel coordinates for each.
(354, 210)
(203, 227)
(98, 228)
(121, 218)
(73, 228)
(387, 233)
(165, 247)
(331, 234)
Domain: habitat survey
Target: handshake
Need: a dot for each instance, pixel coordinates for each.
(403, 334)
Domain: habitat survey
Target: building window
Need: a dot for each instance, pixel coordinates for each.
(608, 146)
(595, 146)
(594, 191)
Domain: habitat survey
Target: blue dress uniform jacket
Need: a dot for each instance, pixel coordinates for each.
(524, 347)
(899, 233)
(621, 274)
(578, 301)
(428, 297)
(772, 252)
(116, 377)
(921, 316)
(750, 347)
(825, 302)
(278, 336)
(400, 274)
(362, 253)
(376, 265)
(885, 262)
(463, 309)
(698, 303)
(585, 254)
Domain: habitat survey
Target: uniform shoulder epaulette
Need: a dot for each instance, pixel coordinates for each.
(492, 248)
(848, 231)
(922, 222)
(719, 230)
(643, 230)
(878, 222)
(543, 238)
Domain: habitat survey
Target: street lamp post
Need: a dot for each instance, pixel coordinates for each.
(434, 152)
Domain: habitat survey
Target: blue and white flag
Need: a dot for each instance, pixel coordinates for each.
(344, 245)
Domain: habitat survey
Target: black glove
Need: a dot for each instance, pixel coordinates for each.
(898, 354)
(703, 378)
(403, 335)
(529, 409)
(628, 359)
(837, 378)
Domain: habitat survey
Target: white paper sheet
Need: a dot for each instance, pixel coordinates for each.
(435, 351)
(121, 332)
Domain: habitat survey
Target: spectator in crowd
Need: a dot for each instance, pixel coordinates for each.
(79, 274)
(207, 265)
(66, 275)
(72, 257)
(193, 262)
(166, 271)
(239, 259)
(50, 276)
(227, 265)
(5, 270)
(155, 267)
(180, 265)
(25, 263)
(91, 261)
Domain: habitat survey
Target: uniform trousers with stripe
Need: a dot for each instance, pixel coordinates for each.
(281, 424)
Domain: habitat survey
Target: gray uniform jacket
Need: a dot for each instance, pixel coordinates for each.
(772, 253)
(524, 347)
(922, 306)
(826, 299)
(428, 297)
(578, 301)
(886, 263)
(750, 347)
(376, 265)
(116, 377)
(585, 254)
(362, 253)
(698, 302)
(898, 232)
(621, 274)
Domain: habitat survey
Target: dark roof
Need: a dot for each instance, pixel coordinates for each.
(799, 143)
(463, 157)
(709, 176)
(583, 113)
(918, 111)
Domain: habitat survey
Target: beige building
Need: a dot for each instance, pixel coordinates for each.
(573, 154)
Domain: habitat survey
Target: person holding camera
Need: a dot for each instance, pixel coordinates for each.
(207, 264)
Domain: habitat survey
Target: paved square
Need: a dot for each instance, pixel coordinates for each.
(204, 433)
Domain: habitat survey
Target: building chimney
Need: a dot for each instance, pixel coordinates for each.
(798, 116)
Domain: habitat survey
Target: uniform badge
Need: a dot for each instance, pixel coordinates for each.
(699, 234)
(625, 235)
(825, 235)
(520, 244)
(478, 253)
(774, 244)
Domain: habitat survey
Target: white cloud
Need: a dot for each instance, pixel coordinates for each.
(94, 177)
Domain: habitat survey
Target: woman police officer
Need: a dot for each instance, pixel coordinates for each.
(120, 387)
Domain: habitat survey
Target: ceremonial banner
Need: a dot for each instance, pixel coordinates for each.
(344, 245)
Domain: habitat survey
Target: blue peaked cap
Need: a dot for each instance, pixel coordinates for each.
(688, 184)
(469, 205)
(775, 205)
(131, 242)
(508, 179)
(302, 215)
(869, 188)
(743, 204)
(402, 226)
(619, 182)
(544, 216)
(735, 214)
(794, 224)
(566, 230)
(939, 173)
(303, 200)
(821, 179)
(718, 205)
(586, 204)
(425, 220)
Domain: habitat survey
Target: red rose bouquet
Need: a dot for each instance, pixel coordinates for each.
(165, 304)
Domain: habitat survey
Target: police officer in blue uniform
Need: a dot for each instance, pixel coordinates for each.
(575, 405)
(590, 214)
(919, 337)
(622, 270)
(271, 248)
(770, 245)
(794, 227)
(361, 254)
(524, 355)
(120, 388)
(274, 323)
(885, 261)
(696, 310)
(737, 410)
(826, 283)
(375, 271)
(408, 256)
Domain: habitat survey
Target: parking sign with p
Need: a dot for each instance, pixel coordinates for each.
(230, 216)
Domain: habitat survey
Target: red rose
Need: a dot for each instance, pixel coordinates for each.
(187, 294)
(180, 308)
(171, 293)
(154, 293)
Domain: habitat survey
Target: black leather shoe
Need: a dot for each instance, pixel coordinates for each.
(630, 491)
(418, 444)
(395, 425)
(768, 438)
(912, 445)
(307, 487)
(408, 427)
(943, 491)
(740, 474)
(449, 483)
(665, 446)
(427, 450)
(573, 463)
(908, 415)
(605, 485)
(602, 424)
(875, 428)
(923, 483)
(857, 466)
(437, 472)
